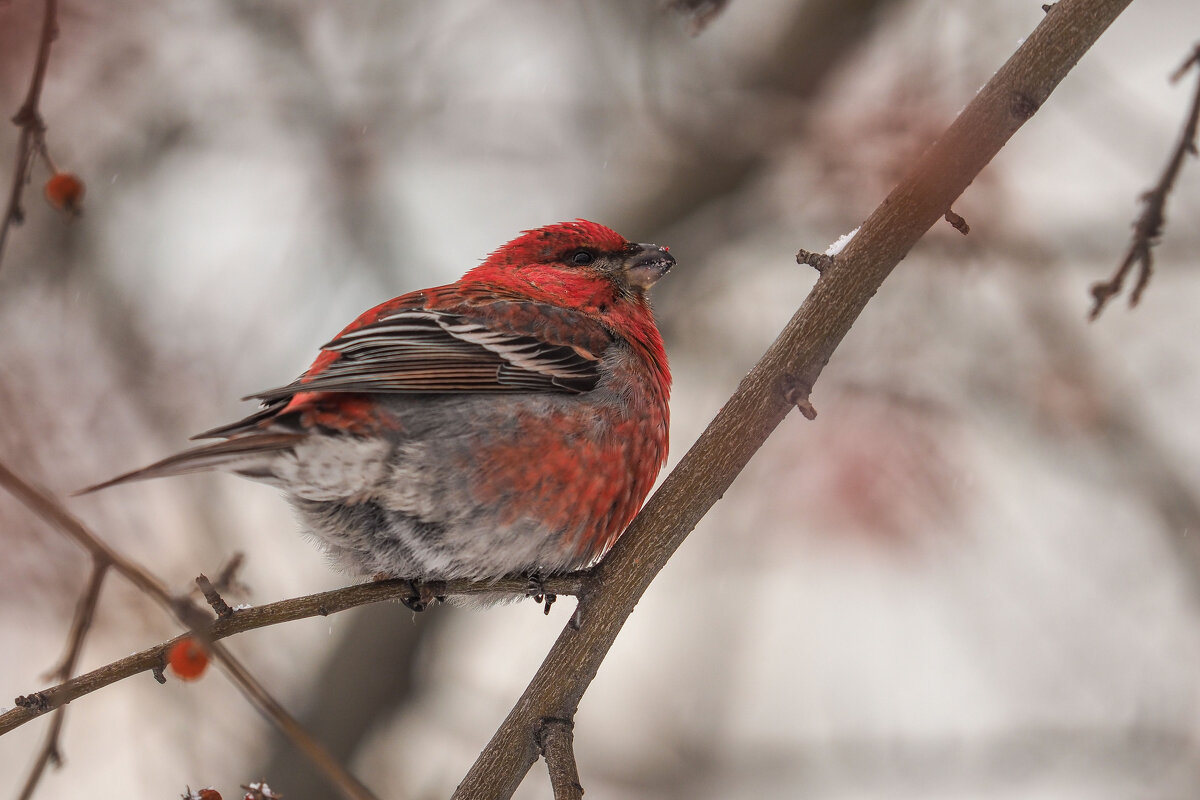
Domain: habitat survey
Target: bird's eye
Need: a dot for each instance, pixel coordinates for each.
(582, 258)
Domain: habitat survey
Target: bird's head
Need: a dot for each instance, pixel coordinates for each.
(578, 264)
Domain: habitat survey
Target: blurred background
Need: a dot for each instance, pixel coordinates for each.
(976, 574)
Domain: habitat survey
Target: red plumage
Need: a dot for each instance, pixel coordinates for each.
(511, 422)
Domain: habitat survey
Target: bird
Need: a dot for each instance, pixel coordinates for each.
(508, 424)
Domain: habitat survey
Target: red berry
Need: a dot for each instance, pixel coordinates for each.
(64, 191)
(188, 659)
(201, 794)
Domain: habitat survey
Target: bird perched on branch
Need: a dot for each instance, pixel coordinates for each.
(509, 423)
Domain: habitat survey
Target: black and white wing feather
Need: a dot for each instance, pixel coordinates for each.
(427, 351)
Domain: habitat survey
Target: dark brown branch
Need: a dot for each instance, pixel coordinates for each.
(85, 612)
(192, 616)
(800, 353)
(1147, 228)
(247, 619)
(556, 742)
(33, 128)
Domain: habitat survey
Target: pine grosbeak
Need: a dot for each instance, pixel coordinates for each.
(509, 423)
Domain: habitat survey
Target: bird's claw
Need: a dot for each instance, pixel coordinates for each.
(536, 588)
(423, 595)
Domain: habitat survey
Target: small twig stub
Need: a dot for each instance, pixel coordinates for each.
(796, 392)
(213, 597)
(818, 261)
(958, 223)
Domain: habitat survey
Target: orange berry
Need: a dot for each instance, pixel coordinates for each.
(188, 659)
(64, 192)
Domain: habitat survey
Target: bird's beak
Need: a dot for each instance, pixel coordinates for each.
(646, 264)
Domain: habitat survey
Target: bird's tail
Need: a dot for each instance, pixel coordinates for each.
(205, 457)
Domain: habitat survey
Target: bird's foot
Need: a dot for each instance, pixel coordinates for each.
(422, 594)
(536, 588)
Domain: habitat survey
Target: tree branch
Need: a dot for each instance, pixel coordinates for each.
(85, 612)
(798, 356)
(1147, 228)
(556, 741)
(321, 604)
(33, 127)
(45, 506)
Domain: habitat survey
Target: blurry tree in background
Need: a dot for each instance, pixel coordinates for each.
(981, 579)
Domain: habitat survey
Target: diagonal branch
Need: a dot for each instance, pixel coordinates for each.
(797, 357)
(1147, 228)
(192, 616)
(85, 612)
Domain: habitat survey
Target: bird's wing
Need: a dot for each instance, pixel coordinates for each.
(504, 346)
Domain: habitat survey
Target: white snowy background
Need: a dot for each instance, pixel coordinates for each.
(976, 574)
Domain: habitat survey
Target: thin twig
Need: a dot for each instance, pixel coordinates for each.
(33, 127)
(196, 620)
(1147, 229)
(556, 740)
(85, 612)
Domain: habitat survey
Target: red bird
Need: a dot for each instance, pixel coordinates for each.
(509, 423)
